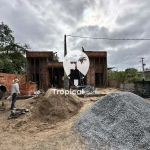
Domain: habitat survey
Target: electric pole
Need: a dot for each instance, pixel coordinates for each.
(142, 65)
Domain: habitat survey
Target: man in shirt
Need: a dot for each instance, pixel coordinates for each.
(14, 92)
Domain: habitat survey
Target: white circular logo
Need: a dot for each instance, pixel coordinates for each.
(76, 60)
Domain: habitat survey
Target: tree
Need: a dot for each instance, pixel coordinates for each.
(131, 72)
(12, 57)
(112, 75)
(82, 59)
(6, 37)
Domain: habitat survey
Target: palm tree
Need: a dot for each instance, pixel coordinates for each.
(82, 59)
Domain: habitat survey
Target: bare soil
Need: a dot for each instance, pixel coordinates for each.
(47, 125)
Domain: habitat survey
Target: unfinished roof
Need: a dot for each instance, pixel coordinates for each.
(39, 53)
(96, 53)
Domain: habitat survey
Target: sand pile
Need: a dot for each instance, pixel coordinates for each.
(56, 107)
(119, 121)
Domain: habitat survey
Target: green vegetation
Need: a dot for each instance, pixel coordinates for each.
(129, 75)
(12, 57)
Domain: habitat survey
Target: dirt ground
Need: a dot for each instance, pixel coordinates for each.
(27, 134)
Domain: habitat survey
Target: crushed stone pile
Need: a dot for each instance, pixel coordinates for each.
(118, 121)
(55, 107)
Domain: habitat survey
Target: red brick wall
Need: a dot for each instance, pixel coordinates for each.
(91, 77)
(6, 79)
(91, 73)
(47, 79)
(97, 65)
(28, 88)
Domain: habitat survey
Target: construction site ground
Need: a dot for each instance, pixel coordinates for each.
(20, 133)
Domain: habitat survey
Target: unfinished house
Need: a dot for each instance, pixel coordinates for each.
(44, 69)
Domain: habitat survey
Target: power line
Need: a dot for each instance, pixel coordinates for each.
(98, 38)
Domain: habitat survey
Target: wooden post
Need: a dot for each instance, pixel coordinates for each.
(99, 71)
(52, 71)
(106, 72)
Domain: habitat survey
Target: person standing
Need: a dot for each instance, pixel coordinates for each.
(14, 92)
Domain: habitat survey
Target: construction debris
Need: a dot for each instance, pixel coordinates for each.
(93, 99)
(118, 121)
(17, 112)
(28, 89)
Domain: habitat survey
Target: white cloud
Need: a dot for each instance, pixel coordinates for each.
(43, 24)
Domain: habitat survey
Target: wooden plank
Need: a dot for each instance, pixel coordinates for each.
(91, 95)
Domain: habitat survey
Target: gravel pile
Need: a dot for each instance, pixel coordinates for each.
(119, 121)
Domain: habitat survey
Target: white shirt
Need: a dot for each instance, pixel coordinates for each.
(15, 88)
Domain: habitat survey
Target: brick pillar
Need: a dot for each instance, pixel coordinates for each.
(91, 73)
(47, 79)
(88, 77)
(92, 76)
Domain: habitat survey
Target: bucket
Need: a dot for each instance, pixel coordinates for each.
(2, 91)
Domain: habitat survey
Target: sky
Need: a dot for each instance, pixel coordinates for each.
(42, 25)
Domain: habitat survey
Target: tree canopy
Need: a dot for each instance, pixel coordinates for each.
(131, 72)
(12, 57)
